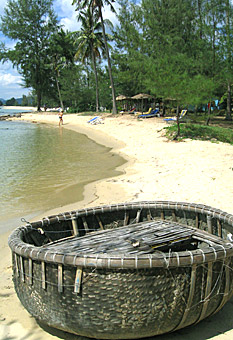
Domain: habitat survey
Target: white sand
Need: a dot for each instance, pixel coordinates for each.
(190, 171)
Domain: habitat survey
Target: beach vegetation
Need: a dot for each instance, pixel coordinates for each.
(178, 50)
(201, 132)
(25, 101)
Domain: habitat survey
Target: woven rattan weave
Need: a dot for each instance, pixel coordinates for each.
(125, 271)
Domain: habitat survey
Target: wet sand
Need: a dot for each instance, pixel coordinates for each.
(156, 169)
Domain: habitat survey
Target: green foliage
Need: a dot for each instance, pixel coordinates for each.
(90, 43)
(11, 102)
(61, 51)
(168, 48)
(202, 132)
(96, 6)
(78, 88)
(25, 101)
(30, 23)
(174, 49)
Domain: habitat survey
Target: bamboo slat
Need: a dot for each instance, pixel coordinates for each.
(75, 227)
(207, 292)
(30, 271)
(43, 277)
(78, 280)
(60, 278)
(190, 298)
(21, 269)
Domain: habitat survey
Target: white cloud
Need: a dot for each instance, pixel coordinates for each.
(66, 14)
(70, 24)
(108, 14)
(10, 82)
(8, 79)
(2, 6)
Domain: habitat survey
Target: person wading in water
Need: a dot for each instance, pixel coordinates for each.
(61, 117)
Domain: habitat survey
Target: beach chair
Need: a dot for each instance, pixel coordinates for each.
(174, 119)
(132, 111)
(150, 114)
(145, 113)
(95, 120)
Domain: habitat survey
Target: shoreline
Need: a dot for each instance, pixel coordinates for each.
(79, 124)
(156, 169)
(191, 171)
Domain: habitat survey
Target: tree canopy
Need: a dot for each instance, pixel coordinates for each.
(30, 23)
(167, 48)
(174, 48)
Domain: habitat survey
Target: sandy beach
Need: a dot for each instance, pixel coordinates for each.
(156, 169)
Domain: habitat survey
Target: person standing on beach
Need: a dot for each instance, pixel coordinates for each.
(61, 117)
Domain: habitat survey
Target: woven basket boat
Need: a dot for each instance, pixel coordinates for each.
(125, 271)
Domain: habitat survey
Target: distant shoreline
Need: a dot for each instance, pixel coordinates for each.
(28, 108)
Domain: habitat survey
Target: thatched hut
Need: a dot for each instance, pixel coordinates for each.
(143, 100)
(125, 102)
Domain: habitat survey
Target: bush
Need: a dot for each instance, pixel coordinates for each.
(202, 132)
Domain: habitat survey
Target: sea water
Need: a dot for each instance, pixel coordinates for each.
(43, 167)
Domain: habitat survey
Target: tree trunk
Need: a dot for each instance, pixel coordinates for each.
(38, 100)
(229, 60)
(208, 114)
(59, 93)
(228, 115)
(195, 110)
(96, 80)
(199, 3)
(177, 122)
(114, 107)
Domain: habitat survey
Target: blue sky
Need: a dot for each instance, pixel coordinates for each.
(10, 80)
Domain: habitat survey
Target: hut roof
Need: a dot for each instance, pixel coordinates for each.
(142, 96)
(122, 97)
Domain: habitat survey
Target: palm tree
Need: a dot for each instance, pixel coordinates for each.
(97, 5)
(90, 42)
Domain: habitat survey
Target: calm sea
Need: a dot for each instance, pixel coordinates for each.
(43, 167)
